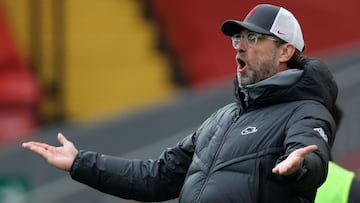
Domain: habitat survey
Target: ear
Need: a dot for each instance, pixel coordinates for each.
(286, 52)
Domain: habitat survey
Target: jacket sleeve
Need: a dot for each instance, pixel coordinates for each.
(310, 125)
(142, 180)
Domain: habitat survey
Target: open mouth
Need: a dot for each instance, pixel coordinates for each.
(241, 65)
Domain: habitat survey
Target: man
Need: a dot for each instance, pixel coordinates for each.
(272, 145)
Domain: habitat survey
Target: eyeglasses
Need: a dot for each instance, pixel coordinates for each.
(250, 39)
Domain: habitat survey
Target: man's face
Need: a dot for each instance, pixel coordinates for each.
(256, 60)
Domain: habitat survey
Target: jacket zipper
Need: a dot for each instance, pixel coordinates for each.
(237, 116)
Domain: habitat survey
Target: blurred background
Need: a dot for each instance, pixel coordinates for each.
(132, 77)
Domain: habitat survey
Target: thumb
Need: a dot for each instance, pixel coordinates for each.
(306, 150)
(62, 139)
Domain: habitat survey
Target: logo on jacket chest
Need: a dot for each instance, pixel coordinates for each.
(249, 130)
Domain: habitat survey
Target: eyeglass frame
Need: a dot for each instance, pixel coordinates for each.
(236, 39)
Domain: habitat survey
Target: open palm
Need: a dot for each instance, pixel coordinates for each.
(61, 157)
(294, 161)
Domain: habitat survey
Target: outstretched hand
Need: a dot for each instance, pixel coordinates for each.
(294, 161)
(61, 157)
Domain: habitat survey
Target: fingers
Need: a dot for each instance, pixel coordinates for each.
(284, 168)
(28, 145)
(281, 168)
(37, 147)
(276, 169)
(294, 161)
(43, 149)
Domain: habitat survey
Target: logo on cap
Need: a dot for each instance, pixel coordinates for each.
(281, 33)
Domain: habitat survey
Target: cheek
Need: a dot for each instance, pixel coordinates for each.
(251, 54)
(267, 54)
(256, 54)
(255, 58)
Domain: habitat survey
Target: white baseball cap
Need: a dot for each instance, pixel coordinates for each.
(269, 20)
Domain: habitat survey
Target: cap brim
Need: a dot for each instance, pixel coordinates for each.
(232, 27)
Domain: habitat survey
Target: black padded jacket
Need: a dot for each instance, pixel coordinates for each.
(231, 155)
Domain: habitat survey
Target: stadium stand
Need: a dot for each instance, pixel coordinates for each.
(19, 89)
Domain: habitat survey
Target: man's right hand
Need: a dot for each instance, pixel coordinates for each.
(61, 157)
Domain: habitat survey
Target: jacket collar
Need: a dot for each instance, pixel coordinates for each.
(311, 81)
(279, 80)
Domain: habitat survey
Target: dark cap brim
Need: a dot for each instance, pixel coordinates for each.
(232, 27)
